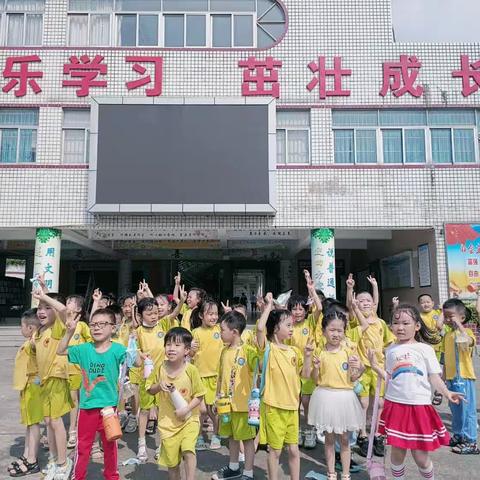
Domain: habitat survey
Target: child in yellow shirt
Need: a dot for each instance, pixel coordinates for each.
(336, 367)
(372, 333)
(279, 422)
(206, 349)
(76, 307)
(53, 373)
(26, 381)
(178, 425)
(235, 382)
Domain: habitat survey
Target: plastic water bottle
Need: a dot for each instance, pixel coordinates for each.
(178, 401)
(254, 408)
(111, 424)
(147, 367)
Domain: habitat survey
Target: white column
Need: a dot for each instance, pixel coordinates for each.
(48, 243)
(442, 271)
(323, 260)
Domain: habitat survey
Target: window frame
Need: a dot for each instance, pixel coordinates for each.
(6, 22)
(18, 127)
(308, 129)
(160, 32)
(452, 129)
(86, 138)
(89, 14)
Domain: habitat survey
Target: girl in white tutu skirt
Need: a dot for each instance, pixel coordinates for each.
(334, 406)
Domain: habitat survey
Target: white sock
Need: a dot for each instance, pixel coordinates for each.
(427, 472)
(248, 473)
(398, 471)
(233, 466)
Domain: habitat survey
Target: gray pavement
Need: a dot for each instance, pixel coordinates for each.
(447, 464)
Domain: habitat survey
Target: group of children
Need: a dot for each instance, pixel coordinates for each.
(178, 365)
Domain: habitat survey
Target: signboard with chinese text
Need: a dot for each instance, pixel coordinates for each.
(462, 243)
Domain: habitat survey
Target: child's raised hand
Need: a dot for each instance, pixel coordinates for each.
(226, 306)
(350, 281)
(41, 282)
(38, 293)
(354, 301)
(97, 295)
(316, 362)
(195, 345)
(309, 347)
(395, 302)
(260, 303)
(372, 280)
(308, 279)
(182, 294)
(455, 397)
(269, 299)
(140, 291)
(71, 322)
(178, 278)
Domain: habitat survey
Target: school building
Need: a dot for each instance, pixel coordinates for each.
(238, 141)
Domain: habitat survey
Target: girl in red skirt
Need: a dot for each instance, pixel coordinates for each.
(408, 419)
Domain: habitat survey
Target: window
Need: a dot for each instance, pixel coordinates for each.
(400, 135)
(76, 123)
(293, 137)
(18, 135)
(24, 22)
(176, 23)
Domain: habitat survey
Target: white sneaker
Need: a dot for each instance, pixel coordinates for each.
(49, 470)
(142, 454)
(241, 457)
(63, 473)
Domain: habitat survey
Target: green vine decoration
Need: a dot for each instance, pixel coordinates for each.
(45, 234)
(323, 234)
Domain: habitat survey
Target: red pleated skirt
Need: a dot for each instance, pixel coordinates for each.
(412, 427)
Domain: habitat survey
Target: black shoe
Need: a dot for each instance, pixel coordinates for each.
(379, 446)
(227, 472)
(455, 440)
(354, 466)
(362, 443)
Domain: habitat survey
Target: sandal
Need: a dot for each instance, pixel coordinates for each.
(72, 439)
(437, 399)
(30, 469)
(151, 427)
(466, 449)
(17, 463)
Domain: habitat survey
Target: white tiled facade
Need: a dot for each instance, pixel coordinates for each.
(322, 194)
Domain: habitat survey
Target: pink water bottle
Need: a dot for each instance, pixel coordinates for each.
(147, 367)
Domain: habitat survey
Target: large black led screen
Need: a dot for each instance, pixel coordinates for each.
(182, 154)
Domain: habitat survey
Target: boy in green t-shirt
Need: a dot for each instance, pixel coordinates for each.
(100, 367)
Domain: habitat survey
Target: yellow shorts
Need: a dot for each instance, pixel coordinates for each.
(75, 381)
(56, 399)
(237, 428)
(278, 427)
(147, 401)
(210, 384)
(136, 375)
(31, 408)
(308, 386)
(369, 383)
(172, 448)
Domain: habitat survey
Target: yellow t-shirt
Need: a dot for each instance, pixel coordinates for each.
(241, 360)
(334, 372)
(376, 337)
(189, 384)
(249, 337)
(465, 362)
(207, 357)
(186, 314)
(303, 332)
(169, 322)
(151, 341)
(430, 320)
(123, 332)
(46, 343)
(25, 369)
(282, 379)
(82, 335)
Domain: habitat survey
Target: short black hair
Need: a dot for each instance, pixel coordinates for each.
(424, 295)
(295, 300)
(115, 308)
(234, 321)
(104, 311)
(122, 299)
(58, 297)
(459, 307)
(178, 334)
(29, 317)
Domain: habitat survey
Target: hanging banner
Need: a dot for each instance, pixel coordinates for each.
(322, 243)
(47, 256)
(462, 243)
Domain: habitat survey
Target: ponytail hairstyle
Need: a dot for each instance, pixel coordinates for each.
(199, 312)
(332, 315)
(425, 334)
(275, 317)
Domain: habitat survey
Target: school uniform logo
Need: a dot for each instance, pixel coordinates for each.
(305, 331)
(46, 342)
(216, 335)
(184, 392)
(435, 317)
(160, 334)
(294, 361)
(241, 361)
(345, 366)
(76, 336)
